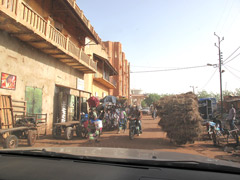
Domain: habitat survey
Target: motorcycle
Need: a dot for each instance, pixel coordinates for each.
(134, 127)
(82, 130)
(211, 126)
(225, 134)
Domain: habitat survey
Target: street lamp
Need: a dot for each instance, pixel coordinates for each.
(193, 87)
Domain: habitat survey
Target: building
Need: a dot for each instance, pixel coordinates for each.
(102, 81)
(43, 59)
(119, 62)
(137, 97)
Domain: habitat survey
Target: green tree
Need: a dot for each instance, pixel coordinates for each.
(227, 93)
(143, 104)
(204, 94)
(152, 98)
(237, 92)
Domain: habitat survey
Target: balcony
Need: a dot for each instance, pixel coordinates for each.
(22, 22)
(109, 83)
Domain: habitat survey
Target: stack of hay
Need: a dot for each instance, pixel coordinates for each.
(180, 118)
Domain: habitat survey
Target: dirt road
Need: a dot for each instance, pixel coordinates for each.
(153, 138)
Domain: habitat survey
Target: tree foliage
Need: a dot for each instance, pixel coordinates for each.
(152, 98)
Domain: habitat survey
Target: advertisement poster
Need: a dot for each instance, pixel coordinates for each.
(8, 81)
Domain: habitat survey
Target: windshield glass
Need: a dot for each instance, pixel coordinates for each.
(158, 76)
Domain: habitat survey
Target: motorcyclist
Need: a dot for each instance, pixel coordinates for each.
(135, 113)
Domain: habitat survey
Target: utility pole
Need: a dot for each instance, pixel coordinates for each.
(220, 68)
(193, 87)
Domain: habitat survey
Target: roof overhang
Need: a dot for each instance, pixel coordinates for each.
(84, 21)
(105, 82)
(113, 70)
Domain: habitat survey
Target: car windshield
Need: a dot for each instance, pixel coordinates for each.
(137, 77)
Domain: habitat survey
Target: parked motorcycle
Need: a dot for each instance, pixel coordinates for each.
(82, 130)
(134, 127)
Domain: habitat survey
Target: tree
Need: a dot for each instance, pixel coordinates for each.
(237, 92)
(227, 93)
(143, 104)
(203, 94)
(152, 98)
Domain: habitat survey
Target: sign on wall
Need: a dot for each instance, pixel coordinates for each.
(80, 84)
(8, 81)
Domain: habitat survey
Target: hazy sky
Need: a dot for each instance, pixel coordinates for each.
(166, 34)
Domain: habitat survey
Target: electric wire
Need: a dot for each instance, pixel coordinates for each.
(231, 54)
(209, 79)
(232, 68)
(232, 58)
(173, 69)
(232, 73)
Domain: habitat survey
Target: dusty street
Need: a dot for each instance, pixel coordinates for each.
(153, 138)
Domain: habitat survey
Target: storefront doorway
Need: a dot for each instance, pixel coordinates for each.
(68, 104)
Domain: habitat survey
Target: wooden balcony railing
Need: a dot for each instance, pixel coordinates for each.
(72, 48)
(57, 37)
(18, 9)
(33, 19)
(10, 5)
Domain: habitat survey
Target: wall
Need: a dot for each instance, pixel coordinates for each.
(94, 86)
(36, 69)
(118, 60)
(100, 89)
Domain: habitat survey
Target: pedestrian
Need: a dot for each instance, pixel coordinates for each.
(232, 117)
(154, 113)
(122, 120)
(94, 130)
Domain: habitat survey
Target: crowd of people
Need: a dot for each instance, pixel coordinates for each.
(109, 117)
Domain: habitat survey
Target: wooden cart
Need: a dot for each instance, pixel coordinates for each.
(9, 132)
(68, 128)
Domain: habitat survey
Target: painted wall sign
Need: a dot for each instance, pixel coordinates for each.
(8, 81)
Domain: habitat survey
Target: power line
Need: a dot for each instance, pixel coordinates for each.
(152, 67)
(232, 58)
(209, 79)
(227, 17)
(232, 73)
(232, 68)
(226, 2)
(231, 54)
(174, 69)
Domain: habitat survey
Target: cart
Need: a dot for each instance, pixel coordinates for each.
(9, 137)
(10, 131)
(68, 128)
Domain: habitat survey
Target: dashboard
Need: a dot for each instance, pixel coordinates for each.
(28, 167)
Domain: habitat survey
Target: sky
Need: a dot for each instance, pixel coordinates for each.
(172, 34)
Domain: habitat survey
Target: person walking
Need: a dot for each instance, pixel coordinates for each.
(232, 117)
(122, 120)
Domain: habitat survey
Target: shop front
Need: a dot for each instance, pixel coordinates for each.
(69, 103)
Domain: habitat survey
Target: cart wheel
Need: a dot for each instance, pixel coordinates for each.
(215, 138)
(11, 142)
(56, 132)
(68, 133)
(32, 136)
